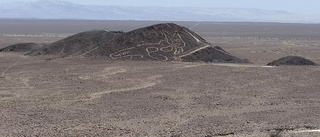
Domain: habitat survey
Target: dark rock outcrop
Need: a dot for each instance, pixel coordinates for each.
(291, 60)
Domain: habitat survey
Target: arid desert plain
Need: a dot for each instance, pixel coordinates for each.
(78, 96)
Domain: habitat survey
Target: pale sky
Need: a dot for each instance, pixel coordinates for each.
(294, 6)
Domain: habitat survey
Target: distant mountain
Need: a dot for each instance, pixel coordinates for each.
(58, 9)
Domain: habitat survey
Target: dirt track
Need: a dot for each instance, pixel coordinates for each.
(89, 97)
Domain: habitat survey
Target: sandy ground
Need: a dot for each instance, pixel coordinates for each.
(90, 97)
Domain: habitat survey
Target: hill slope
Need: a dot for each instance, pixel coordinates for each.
(24, 48)
(76, 44)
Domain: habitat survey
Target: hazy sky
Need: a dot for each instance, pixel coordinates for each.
(295, 6)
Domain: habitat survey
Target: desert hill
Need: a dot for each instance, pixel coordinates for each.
(157, 42)
(165, 42)
(23, 48)
(291, 60)
(162, 42)
(76, 44)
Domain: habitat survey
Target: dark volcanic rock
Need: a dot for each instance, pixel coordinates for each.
(291, 60)
(22, 47)
(161, 42)
(76, 44)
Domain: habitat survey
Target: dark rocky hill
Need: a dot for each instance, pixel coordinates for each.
(291, 60)
(76, 44)
(23, 48)
(165, 42)
(162, 42)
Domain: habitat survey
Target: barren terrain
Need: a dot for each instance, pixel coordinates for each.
(78, 96)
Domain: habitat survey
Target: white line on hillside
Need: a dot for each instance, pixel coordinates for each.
(193, 36)
(196, 50)
(5, 71)
(194, 26)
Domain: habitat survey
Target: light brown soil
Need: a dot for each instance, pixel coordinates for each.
(90, 97)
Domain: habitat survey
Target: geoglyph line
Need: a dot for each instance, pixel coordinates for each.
(149, 82)
(196, 50)
(194, 26)
(171, 43)
(5, 71)
(98, 95)
(199, 41)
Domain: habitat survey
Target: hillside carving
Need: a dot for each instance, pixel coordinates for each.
(171, 44)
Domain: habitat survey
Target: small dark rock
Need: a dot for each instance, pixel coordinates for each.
(291, 60)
